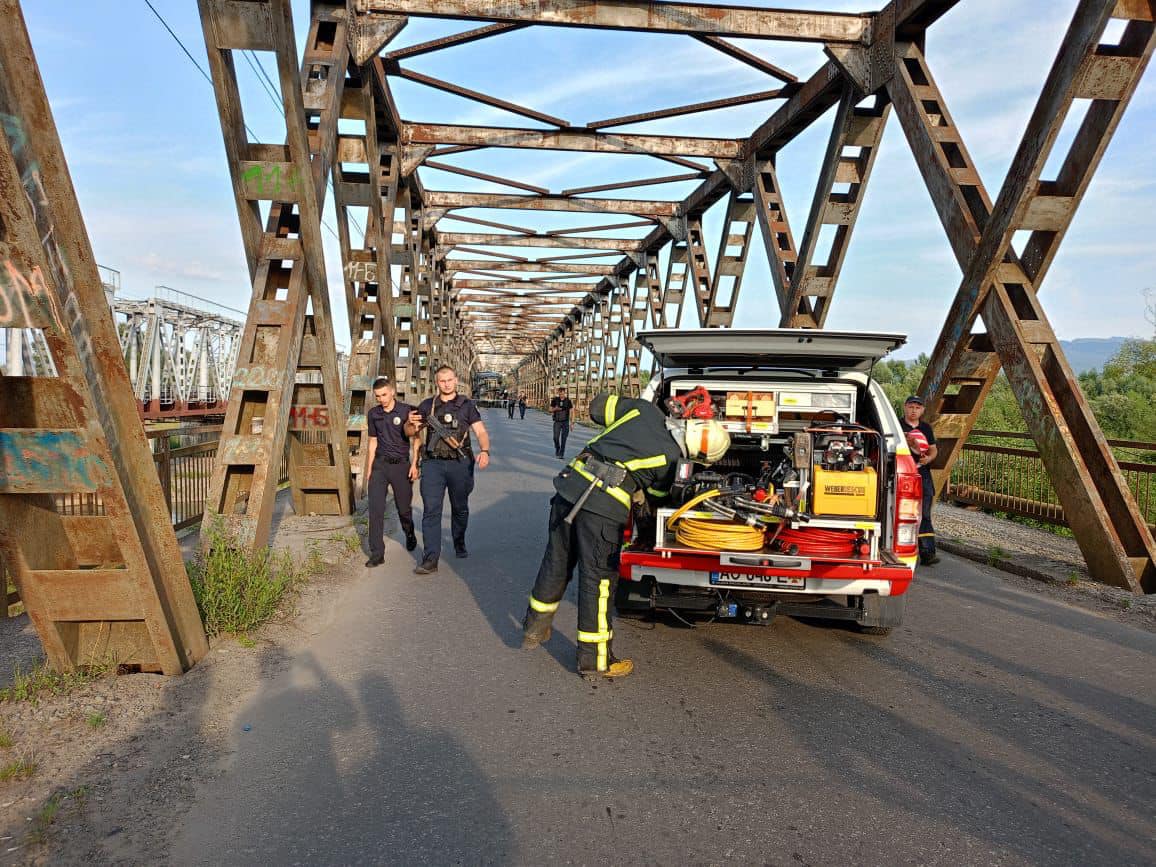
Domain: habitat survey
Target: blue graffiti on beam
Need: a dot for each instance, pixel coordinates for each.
(48, 461)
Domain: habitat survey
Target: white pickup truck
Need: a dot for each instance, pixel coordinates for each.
(811, 431)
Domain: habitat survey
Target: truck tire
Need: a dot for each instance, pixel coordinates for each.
(881, 614)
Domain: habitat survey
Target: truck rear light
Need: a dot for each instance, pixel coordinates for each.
(908, 506)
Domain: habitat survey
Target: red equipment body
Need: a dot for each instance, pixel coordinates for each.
(696, 403)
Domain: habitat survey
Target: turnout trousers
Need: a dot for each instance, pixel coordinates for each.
(386, 475)
(926, 529)
(561, 431)
(437, 477)
(591, 544)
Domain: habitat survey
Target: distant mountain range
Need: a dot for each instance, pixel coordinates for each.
(1090, 353)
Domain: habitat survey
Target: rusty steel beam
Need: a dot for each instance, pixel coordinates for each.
(1112, 534)
(626, 185)
(633, 224)
(449, 41)
(588, 141)
(452, 239)
(645, 16)
(103, 588)
(288, 273)
(692, 108)
(454, 265)
(482, 176)
(521, 230)
(449, 200)
(736, 53)
(812, 284)
(474, 95)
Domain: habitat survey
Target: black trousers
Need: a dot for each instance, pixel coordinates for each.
(926, 529)
(591, 544)
(386, 475)
(510, 409)
(437, 477)
(561, 431)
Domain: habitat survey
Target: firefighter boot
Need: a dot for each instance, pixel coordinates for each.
(615, 668)
(536, 628)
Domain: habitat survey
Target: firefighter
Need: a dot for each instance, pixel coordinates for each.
(921, 440)
(636, 445)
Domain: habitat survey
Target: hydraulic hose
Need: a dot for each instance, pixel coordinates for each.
(713, 535)
(816, 542)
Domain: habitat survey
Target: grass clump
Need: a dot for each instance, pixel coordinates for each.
(995, 555)
(18, 769)
(5, 741)
(96, 720)
(47, 814)
(42, 680)
(237, 589)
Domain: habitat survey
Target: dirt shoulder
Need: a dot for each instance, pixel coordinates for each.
(116, 761)
(1038, 561)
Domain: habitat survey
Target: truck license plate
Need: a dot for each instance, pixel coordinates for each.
(765, 582)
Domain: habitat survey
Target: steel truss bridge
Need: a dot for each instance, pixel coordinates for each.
(563, 311)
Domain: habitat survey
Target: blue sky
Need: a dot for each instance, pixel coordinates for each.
(140, 131)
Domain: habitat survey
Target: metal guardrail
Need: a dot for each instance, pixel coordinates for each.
(1011, 478)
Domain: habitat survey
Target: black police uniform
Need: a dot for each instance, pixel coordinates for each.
(390, 470)
(444, 470)
(635, 437)
(926, 529)
(561, 423)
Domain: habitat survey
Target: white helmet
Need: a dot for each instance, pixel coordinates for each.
(706, 440)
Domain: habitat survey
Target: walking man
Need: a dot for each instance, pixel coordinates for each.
(511, 403)
(560, 406)
(448, 464)
(522, 404)
(390, 462)
(921, 439)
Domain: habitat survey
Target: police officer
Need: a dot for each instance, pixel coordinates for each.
(448, 464)
(391, 462)
(560, 407)
(635, 438)
(921, 438)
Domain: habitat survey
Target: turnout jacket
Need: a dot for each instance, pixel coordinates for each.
(634, 436)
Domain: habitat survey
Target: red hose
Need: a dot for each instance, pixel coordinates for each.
(815, 542)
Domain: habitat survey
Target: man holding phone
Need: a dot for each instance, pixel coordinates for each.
(560, 407)
(448, 464)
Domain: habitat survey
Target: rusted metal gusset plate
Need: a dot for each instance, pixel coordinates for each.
(104, 588)
(640, 15)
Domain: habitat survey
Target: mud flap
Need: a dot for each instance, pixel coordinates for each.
(882, 610)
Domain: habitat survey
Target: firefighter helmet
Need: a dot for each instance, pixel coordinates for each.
(918, 442)
(706, 440)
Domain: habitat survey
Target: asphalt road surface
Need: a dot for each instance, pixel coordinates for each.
(995, 726)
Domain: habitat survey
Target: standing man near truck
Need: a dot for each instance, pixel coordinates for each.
(560, 407)
(921, 440)
(390, 462)
(633, 456)
(448, 464)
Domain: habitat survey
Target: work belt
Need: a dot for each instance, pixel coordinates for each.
(610, 478)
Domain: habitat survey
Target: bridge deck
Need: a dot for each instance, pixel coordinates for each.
(996, 725)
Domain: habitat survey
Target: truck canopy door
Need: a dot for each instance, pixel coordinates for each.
(777, 348)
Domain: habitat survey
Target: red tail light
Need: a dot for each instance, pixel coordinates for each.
(908, 506)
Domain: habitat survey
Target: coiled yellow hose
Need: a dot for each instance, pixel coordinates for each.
(713, 535)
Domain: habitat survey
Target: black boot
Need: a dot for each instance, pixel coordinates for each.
(536, 628)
